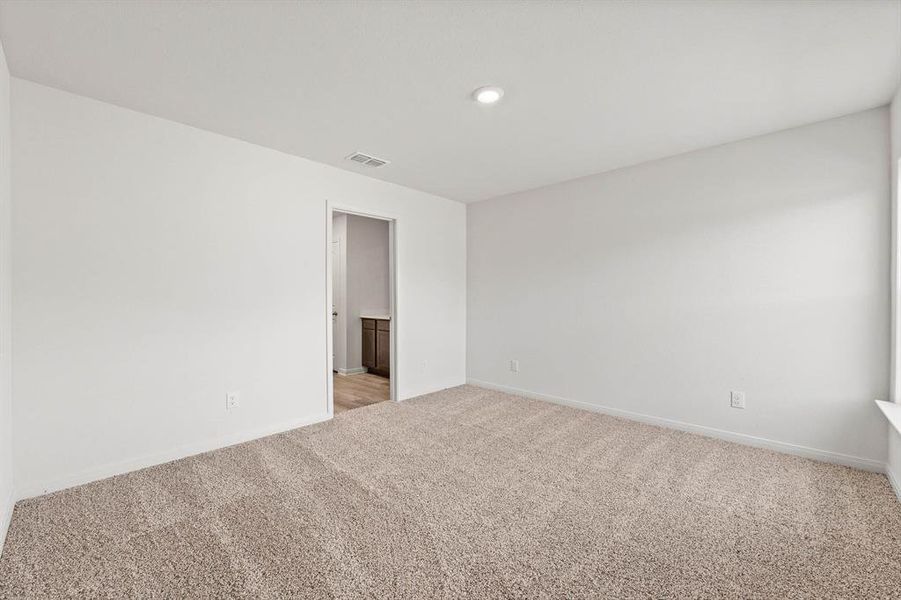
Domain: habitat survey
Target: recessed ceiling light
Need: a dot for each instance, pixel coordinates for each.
(489, 94)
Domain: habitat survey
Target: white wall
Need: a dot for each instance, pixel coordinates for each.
(760, 266)
(6, 417)
(367, 279)
(894, 452)
(158, 266)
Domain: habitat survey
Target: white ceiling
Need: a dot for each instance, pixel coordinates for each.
(590, 86)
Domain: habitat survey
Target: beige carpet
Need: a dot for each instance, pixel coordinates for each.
(466, 493)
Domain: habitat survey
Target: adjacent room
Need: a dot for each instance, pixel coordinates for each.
(450, 299)
(361, 310)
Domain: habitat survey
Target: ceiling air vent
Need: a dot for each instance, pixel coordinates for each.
(366, 160)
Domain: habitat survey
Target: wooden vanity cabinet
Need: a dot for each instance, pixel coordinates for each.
(377, 346)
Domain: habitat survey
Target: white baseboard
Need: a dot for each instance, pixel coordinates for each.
(6, 516)
(896, 485)
(38, 488)
(354, 371)
(729, 436)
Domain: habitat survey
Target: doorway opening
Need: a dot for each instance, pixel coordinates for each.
(362, 323)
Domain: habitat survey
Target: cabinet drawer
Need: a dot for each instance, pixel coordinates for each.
(383, 325)
(368, 323)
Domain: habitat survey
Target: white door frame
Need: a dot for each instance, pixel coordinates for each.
(330, 209)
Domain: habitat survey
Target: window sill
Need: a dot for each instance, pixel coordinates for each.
(892, 412)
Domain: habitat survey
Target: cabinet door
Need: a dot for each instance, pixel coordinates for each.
(383, 351)
(369, 348)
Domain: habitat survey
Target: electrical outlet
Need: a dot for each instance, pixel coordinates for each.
(232, 400)
(737, 399)
(514, 366)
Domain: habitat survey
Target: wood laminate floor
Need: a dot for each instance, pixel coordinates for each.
(363, 389)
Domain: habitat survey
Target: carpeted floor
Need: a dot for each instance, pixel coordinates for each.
(466, 493)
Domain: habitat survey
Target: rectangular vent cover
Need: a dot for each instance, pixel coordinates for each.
(366, 160)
